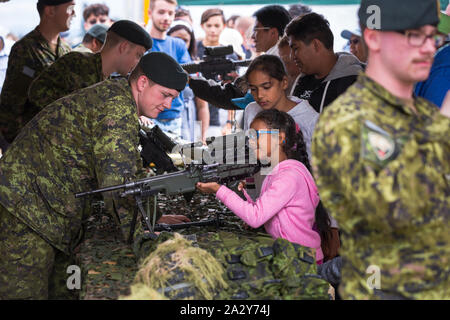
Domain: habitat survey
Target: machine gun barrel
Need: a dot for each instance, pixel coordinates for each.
(110, 188)
(181, 181)
(214, 65)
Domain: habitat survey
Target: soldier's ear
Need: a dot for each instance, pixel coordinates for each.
(123, 46)
(372, 39)
(49, 11)
(142, 82)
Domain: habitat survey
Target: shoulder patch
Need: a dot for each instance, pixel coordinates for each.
(377, 145)
(28, 71)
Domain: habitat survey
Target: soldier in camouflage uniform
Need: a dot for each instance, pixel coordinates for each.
(83, 141)
(29, 56)
(382, 162)
(125, 44)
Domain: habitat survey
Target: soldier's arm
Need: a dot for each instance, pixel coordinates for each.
(21, 71)
(116, 159)
(397, 178)
(51, 84)
(215, 93)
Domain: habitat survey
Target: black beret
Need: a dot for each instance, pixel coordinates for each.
(398, 15)
(53, 2)
(132, 32)
(164, 70)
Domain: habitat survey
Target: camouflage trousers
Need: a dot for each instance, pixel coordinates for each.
(30, 268)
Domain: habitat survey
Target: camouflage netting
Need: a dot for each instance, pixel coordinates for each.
(231, 266)
(261, 267)
(176, 263)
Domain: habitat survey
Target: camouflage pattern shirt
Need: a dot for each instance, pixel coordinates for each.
(83, 141)
(384, 173)
(29, 56)
(69, 73)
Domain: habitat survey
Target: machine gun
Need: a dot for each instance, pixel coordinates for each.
(178, 182)
(215, 64)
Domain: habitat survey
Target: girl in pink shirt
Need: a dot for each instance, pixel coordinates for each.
(289, 204)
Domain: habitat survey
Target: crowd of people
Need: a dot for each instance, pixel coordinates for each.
(360, 138)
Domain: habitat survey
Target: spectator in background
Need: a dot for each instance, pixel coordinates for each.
(97, 13)
(231, 22)
(437, 85)
(357, 47)
(297, 10)
(93, 40)
(182, 13)
(244, 25)
(5, 49)
(292, 70)
(194, 108)
(326, 74)
(162, 14)
(29, 56)
(213, 23)
(269, 28)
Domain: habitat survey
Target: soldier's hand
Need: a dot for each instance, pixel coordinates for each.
(445, 108)
(208, 187)
(173, 219)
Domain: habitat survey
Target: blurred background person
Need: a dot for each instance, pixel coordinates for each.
(162, 15)
(93, 40)
(182, 13)
(269, 28)
(97, 13)
(194, 108)
(231, 22)
(437, 85)
(355, 43)
(296, 10)
(213, 23)
(5, 49)
(245, 26)
(293, 71)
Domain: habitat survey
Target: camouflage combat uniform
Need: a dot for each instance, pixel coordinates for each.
(384, 173)
(68, 74)
(29, 56)
(83, 141)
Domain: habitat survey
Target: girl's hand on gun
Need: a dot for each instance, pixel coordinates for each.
(208, 187)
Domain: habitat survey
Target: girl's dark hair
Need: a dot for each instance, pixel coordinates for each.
(212, 13)
(295, 148)
(192, 49)
(267, 63)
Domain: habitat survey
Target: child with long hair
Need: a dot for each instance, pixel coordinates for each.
(267, 79)
(289, 206)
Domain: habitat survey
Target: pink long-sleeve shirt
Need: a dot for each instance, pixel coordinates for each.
(286, 205)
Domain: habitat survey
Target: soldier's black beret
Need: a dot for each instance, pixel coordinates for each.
(53, 2)
(164, 70)
(398, 15)
(132, 32)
